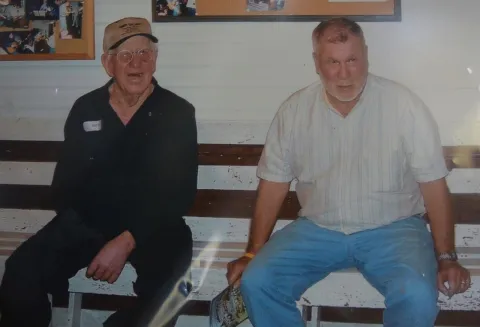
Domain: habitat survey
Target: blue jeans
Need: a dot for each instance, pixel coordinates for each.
(397, 259)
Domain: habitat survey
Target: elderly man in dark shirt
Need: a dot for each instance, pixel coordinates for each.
(126, 176)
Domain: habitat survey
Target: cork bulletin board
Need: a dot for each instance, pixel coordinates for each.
(47, 30)
(274, 10)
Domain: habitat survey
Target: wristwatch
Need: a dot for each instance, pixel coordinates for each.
(449, 256)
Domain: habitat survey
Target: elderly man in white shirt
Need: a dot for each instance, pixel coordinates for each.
(368, 159)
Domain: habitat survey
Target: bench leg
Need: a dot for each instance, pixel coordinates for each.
(51, 308)
(74, 310)
(303, 311)
(316, 316)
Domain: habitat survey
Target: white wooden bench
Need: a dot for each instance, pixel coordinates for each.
(222, 210)
(338, 289)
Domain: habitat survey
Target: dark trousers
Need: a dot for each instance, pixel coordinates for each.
(44, 263)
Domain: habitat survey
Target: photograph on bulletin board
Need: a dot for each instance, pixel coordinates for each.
(70, 19)
(274, 10)
(42, 9)
(264, 5)
(46, 29)
(12, 15)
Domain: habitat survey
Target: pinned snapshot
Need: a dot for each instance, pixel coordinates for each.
(265, 5)
(42, 9)
(12, 15)
(176, 7)
(37, 41)
(71, 18)
(44, 37)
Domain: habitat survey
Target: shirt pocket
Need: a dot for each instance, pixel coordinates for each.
(383, 169)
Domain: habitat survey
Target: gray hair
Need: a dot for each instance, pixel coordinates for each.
(154, 46)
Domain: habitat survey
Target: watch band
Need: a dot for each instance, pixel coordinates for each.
(449, 256)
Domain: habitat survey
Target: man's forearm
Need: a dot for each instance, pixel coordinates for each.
(169, 196)
(260, 229)
(269, 201)
(439, 208)
(157, 207)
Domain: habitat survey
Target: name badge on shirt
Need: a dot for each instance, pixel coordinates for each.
(92, 126)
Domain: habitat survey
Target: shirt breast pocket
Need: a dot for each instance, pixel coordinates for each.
(385, 172)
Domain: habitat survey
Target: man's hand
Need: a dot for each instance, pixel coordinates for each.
(109, 262)
(235, 270)
(457, 277)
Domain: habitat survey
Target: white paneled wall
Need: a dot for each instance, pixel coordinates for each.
(242, 71)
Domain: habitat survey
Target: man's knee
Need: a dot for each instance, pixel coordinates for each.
(255, 277)
(16, 269)
(420, 297)
(20, 292)
(16, 278)
(423, 295)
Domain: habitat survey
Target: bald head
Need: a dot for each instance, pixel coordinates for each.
(336, 30)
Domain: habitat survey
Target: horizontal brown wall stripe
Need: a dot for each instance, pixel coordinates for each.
(229, 154)
(330, 314)
(10, 243)
(6, 252)
(30, 151)
(14, 235)
(209, 154)
(464, 156)
(216, 203)
(236, 204)
(25, 197)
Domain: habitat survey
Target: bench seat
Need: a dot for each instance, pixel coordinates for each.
(339, 289)
(342, 288)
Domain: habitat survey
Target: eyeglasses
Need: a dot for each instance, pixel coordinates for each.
(126, 56)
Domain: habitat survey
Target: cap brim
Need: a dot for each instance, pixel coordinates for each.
(149, 36)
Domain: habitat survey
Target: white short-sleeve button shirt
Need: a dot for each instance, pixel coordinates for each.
(360, 171)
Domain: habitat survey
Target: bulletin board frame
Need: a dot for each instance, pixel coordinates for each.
(357, 10)
(65, 46)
